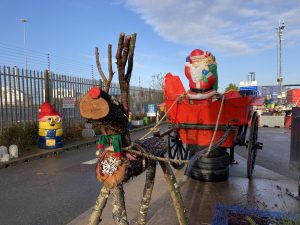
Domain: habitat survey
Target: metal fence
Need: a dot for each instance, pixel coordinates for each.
(23, 91)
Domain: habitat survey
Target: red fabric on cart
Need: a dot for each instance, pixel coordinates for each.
(235, 111)
(172, 87)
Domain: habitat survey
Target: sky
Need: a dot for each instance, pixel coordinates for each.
(241, 34)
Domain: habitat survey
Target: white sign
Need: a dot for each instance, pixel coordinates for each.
(68, 102)
(248, 83)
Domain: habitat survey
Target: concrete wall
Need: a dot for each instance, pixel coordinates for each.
(271, 121)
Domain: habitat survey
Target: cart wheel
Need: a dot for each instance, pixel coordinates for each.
(252, 145)
(176, 149)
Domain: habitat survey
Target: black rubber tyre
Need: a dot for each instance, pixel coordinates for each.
(210, 175)
(192, 149)
(216, 163)
(216, 153)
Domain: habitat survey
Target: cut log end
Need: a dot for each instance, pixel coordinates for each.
(93, 108)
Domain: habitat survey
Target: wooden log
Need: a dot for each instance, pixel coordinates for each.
(95, 217)
(175, 193)
(119, 209)
(124, 55)
(105, 111)
(93, 109)
(145, 202)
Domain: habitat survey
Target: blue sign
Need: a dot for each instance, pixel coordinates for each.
(151, 110)
(249, 90)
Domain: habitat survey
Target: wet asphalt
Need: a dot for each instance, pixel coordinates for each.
(50, 191)
(55, 190)
(275, 154)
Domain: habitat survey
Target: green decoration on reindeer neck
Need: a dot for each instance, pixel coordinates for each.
(111, 139)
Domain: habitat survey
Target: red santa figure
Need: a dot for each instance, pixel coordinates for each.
(200, 69)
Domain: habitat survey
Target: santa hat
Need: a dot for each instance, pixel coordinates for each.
(196, 54)
(47, 110)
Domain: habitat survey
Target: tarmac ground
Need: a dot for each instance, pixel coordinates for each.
(266, 191)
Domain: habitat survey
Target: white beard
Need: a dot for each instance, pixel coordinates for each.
(196, 72)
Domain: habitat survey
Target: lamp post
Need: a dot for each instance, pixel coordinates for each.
(279, 77)
(24, 21)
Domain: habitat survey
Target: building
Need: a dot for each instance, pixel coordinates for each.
(271, 92)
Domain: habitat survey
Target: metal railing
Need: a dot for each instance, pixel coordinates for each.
(23, 91)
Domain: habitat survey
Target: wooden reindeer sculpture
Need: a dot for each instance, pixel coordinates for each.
(116, 165)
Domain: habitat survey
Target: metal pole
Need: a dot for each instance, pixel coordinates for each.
(24, 21)
(279, 78)
(92, 72)
(279, 59)
(47, 84)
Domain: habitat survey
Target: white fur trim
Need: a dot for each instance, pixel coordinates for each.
(197, 57)
(201, 96)
(209, 75)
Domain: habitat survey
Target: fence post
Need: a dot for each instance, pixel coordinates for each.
(47, 85)
(295, 143)
(100, 84)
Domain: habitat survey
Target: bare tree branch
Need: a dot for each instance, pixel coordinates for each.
(125, 51)
(99, 66)
(120, 49)
(130, 57)
(106, 81)
(110, 70)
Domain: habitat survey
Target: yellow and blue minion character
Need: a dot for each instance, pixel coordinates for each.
(50, 127)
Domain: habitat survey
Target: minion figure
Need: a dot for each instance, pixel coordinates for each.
(50, 127)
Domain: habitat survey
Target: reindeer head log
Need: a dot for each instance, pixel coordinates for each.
(92, 106)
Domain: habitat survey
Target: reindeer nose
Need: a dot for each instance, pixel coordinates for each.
(94, 92)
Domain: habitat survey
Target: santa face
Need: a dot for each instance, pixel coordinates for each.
(196, 62)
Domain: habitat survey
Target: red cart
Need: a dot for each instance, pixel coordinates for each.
(194, 124)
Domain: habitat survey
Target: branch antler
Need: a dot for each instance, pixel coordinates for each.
(125, 55)
(107, 82)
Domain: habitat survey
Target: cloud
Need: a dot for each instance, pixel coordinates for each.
(229, 26)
